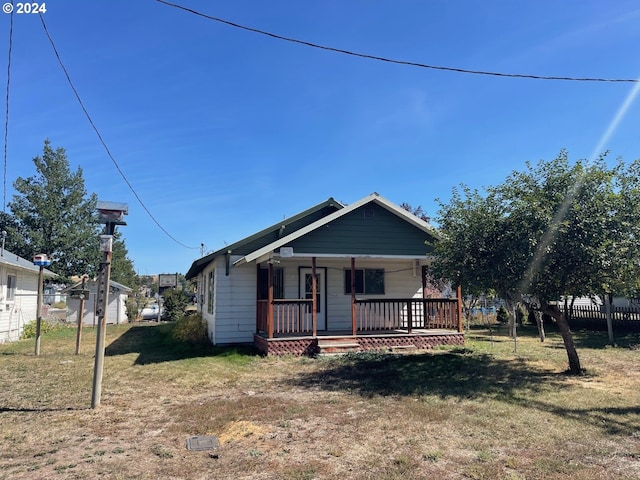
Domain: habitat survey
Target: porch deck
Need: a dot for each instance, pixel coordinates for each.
(343, 341)
(289, 326)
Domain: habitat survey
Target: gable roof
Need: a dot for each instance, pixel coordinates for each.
(269, 234)
(112, 284)
(373, 198)
(13, 260)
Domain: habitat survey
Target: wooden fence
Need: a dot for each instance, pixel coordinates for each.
(596, 317)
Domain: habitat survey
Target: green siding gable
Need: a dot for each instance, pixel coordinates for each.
(368, 230)
(244, 248)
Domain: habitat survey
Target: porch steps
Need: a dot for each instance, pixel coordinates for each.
(337, 346)
(403, 348)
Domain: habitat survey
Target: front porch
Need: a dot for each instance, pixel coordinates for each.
(289, 326)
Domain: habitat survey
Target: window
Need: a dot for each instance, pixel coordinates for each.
(278, 283)
(368, 281)
(210, 282)
(11, 287)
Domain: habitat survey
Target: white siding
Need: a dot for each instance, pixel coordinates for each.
(116, 308)
(14, 315)
(235, 303)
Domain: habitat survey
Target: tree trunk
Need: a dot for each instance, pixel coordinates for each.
(537, 317)
(511, 310)
(574, 362)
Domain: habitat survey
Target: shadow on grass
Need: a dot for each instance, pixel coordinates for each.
(40, 410)
(154, 344)
(613, 420)
(457, 373)
(462, 374)
(600, 339)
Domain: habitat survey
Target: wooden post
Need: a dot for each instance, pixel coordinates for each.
(353, 297)
(103, 305)
(459, 295)
(39, 310)
(80, 319)
(270, 303)
(258, 303)
(608, 300)
(409, 317)
(314, 289)
(424, 296)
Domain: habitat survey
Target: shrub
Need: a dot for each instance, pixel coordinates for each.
(133, 305)
(190, 328)
(45, 327)
(503, 315)
(175, 304)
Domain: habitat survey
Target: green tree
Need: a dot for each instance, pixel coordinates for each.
(14, 242)
(175, 304)
(556, 229)
(122, 269)
(54, 215)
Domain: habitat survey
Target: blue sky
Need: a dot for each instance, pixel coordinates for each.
(223, 132)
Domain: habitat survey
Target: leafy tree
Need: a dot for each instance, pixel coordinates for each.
(553, 230)
(122, 270)
(417, 211)
(54, 215)
(14, 242)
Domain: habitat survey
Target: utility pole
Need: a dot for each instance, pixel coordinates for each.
(111, 214)
(41, 261)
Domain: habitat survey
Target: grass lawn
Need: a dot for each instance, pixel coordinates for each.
(478, 412)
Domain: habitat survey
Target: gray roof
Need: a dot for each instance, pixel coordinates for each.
(112, 284)
(13, 260)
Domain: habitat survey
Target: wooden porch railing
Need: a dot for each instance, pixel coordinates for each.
(294, 316)
(406, 314)
(289, 316)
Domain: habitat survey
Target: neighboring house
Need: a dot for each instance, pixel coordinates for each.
(116, 308)
(18, 294)
(53, 294)
(351, 274)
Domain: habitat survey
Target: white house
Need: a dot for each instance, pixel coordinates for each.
(116, 308)
(356, 272)
(18, 294)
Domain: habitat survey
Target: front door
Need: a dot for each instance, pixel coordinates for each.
(306, 291)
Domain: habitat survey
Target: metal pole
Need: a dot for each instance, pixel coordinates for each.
(39, 312)
(103, 302)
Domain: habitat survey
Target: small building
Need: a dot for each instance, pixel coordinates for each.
(18, 294)
(332, 275)
(116, 308)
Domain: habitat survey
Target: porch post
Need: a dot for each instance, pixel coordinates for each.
(424, 281)
(459, 295)
(270, 302)
(424, 296)
(314, 289)
(353, 297)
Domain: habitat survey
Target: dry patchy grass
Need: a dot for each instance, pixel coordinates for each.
(480, 412)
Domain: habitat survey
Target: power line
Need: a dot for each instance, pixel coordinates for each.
(6, 116)
(103, 142)
(391, 60)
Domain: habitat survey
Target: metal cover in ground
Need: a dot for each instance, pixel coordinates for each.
(203, 442)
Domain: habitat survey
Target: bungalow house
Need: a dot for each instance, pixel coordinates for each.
(331, 278)
(116, 307)
(18, 294)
